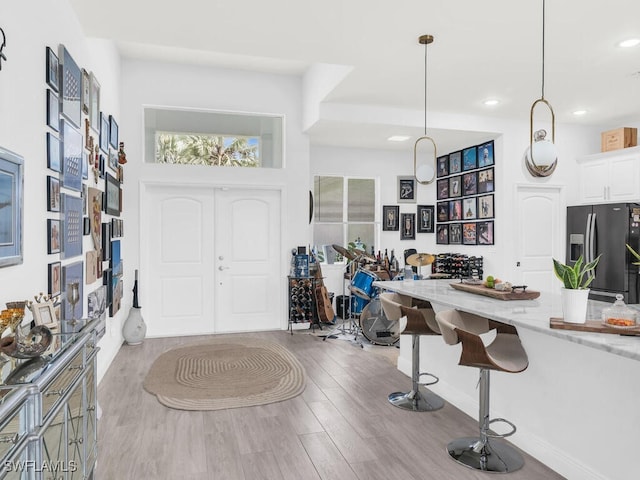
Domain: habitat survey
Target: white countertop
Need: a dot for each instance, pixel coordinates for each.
(531, 314)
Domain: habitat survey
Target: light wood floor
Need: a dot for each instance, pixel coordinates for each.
(341, 427)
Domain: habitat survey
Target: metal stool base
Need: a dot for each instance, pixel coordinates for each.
(421, 401)
(494, 457)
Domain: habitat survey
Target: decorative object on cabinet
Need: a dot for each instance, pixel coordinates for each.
(575, 292)
(43, 311)
(17, 344)
(408, 222)
(54, 275)
(11, 207)
(406, 189)
(72, 308)
(134, 328)
(53, 152)
(72, 226)
(51, 69)
(541, 156)
(53, 235)
(113, 132)
(53, 110)
(624, 137)
(71, 157)
(2, 45)
(425, 173)
(390, 215)
(112, 194)
(425, 218)
(71, 87)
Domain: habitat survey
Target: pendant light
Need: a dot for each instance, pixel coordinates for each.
(425, 173)
(541, 157)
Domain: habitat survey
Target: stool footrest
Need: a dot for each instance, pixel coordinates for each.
(429, 375)
(493, 434)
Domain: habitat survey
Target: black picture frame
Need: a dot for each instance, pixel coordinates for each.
(442, 234)
(107, 278)
(406, 189)
(455, 186)
(12, 211)
(52, 69)
(113, 132)
(469, 184)
(442, 189)
(469, 158)
(469, 208)
(94, 103)
(455, 210)
(53, 235)
(443, 211)
(469, 236)
(85, 97)
(113, 160)
(53, 194)
(54, 276)
(106, 241)
(455, 234)
(390, 218)
(408, 226)
(53, 110)
(104, 133)
(53, 152)
(425, 219)
(443, 166)
(455, 162)
(72, 157)
(485, 206)
(71, 87)
(486, 181)
(485, 233)
(112, 195)
(486, 154)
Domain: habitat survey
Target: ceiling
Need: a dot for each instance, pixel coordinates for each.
(482, 50)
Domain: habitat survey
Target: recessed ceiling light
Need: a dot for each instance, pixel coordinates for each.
(631, 42)
(398, 138)
(577, 113)
(491, 102)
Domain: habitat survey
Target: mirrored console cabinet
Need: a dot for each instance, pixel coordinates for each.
(48, 408)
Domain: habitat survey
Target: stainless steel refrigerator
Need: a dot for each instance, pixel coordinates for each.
(605, 229)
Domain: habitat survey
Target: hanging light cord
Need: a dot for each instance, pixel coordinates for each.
(425, 88)
(543, 16)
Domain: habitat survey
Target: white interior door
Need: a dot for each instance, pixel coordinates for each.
(213, 260)
(247, 238)
(540, 234)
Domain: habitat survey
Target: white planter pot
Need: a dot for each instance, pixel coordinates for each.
(574, 305)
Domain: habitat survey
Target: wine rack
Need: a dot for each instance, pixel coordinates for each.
(458, 266)
(302, 300)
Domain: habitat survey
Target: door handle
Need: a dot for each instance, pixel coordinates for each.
(221, 268)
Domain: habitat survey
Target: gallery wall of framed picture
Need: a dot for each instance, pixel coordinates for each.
(465, 188)
(84, 191)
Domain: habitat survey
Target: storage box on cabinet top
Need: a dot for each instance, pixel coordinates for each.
(619, 138)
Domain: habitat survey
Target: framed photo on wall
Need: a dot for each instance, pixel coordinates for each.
(94, 103)
(113, 132)
(442, 189)
(485, 206)
(443, 166)
(469, 234)
(469, 184)
(455, 186)
(104, 133)
(425, 219)
(53, 235)
(485, 154)
(54, 273)
(73, 226)
(455, 234)
(443, 211)
(408, 226)
(71, 92)
(51, 68)
(485, 233)
(406, 189)
(12, 211)
(442, 235)
(485, 181)
(469, 208)
(53, 152)
(53, 194)
(72, 157)
(390, 218)
(469, 158)
(455, 210)
(53, 110)
(112, 195)
(86, 91)
(455, 162)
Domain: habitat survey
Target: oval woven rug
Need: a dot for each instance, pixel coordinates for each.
(225, 373)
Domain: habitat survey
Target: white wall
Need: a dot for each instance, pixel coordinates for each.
(173, 85)
(29, 28)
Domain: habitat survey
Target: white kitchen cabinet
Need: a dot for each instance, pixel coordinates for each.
(610, 176)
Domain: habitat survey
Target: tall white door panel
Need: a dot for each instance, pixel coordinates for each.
(247, 260)
(540, 235)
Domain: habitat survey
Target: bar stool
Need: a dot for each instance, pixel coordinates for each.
(504, 354)
(415, 322)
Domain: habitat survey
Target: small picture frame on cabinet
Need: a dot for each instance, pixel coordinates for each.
(44, 314)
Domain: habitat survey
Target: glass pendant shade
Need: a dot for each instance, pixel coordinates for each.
(424, 160)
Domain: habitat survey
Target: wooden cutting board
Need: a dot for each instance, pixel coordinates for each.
(592, 326)
(493, 293)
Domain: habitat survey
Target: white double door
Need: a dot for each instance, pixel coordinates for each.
(213, 258)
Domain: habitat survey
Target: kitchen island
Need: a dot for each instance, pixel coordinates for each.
(576, 406)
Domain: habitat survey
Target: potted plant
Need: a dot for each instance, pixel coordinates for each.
(575, 293)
